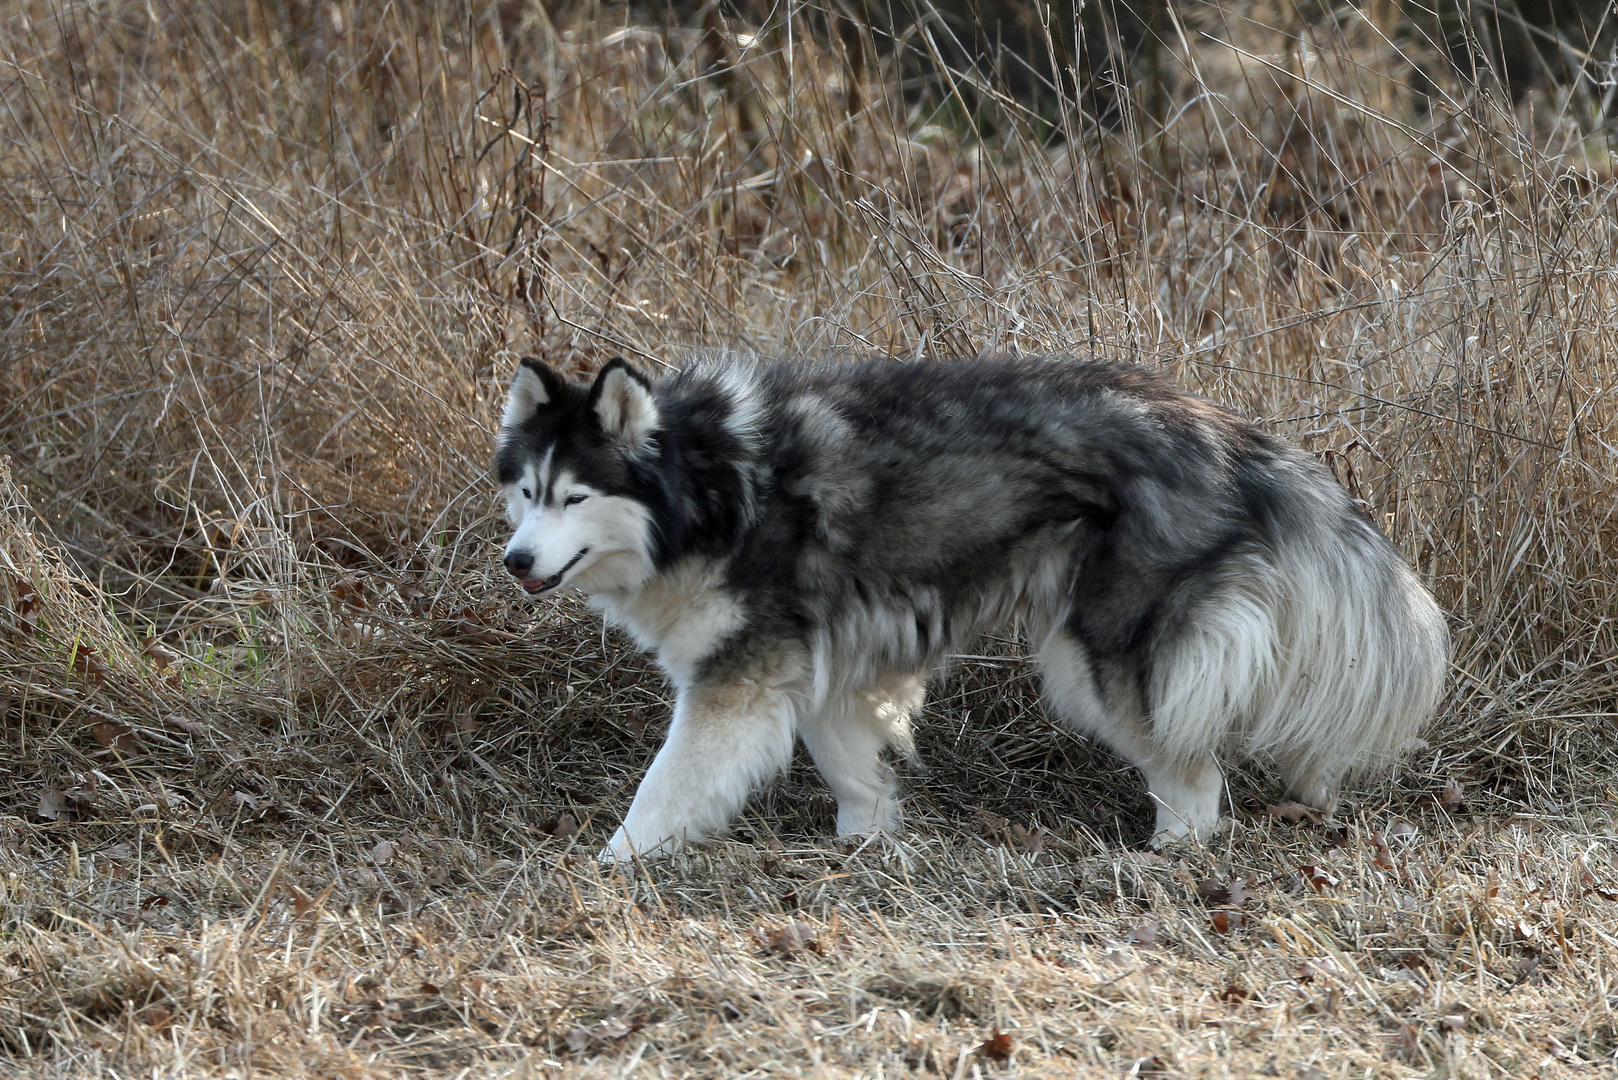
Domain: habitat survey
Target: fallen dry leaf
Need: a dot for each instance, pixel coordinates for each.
(160, 656)
(1451, 795)
(1215, 893)
(53, 804)
(1147, 933)
(115, 736)
(87, 662)
(790, 939)
(1321, 967)
(1594, 887)
(997, 1045)
(1295, 812)
(1326, 1003)
(303, 907)
(186, 724)
(562, 826)
(1559, 1051)
(157, 1016)
(1319, 877)
(350, 590)
(56, 804)
(1030, 840)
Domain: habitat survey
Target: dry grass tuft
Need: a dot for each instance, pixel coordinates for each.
(298, 786)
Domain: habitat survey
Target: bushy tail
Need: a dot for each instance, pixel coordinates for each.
(1325, 657)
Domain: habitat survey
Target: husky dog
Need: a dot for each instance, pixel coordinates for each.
(801, 544)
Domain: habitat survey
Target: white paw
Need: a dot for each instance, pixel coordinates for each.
(622, 849)
(1188, 800)
(628, 844)
(1173, 826)
(881, 815)
(616, 851)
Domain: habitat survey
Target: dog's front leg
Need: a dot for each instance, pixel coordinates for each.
(723, 741)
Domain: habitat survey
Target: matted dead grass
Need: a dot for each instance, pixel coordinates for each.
(1455, 951)
(296, 785)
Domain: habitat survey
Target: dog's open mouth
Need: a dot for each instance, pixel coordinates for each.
(534, 588)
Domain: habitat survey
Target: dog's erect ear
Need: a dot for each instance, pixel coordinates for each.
(534, 387)
(624, 406)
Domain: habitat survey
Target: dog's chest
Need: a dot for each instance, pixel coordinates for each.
(680, 617)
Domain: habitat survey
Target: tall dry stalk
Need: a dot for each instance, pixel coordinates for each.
(267, 269)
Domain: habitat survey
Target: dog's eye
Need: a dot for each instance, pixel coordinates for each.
(574, 499)
(527, 494)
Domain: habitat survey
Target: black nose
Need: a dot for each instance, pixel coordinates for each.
(519, 563)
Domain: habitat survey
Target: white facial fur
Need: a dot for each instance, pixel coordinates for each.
(613, 533)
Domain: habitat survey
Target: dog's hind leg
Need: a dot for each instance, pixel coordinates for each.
(723, 741)
(1186, 791)
(846, 738)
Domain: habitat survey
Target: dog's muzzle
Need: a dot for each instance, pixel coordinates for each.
(520, 565)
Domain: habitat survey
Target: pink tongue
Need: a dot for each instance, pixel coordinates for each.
(534, 586)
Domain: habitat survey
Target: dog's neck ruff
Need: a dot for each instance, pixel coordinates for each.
(680, 615)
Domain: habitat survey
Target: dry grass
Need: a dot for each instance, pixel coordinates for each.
(297, 786)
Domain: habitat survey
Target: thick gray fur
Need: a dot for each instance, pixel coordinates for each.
(802, 544)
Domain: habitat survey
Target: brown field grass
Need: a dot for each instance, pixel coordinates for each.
(295, 785)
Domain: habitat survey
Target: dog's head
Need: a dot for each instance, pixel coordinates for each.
(568, 458)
